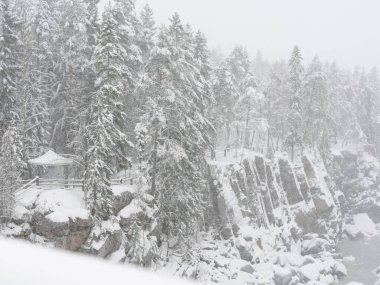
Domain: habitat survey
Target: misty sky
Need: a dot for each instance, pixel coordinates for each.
(345, 30)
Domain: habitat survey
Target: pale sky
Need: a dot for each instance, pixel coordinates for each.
(347, 31)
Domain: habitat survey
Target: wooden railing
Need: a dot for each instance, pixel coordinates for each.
(25, 187)
(63, 183)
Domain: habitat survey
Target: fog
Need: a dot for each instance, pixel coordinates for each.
(341, 30)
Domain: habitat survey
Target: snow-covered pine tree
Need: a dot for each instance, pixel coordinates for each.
(93, 25)
(68, 86)
(275, 109)
(240, 66)
(104, 137)
(294, 119)
(368, 95)
(374, 88)
(225, 93)
(178, 132)
(34, 85)
(316, 118)
(127, 30)
(11, 167)
(147, 32)
(10, 46)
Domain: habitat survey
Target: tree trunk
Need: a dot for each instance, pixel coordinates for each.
(154, 168)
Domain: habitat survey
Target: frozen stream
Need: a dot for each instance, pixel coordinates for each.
(367, 257)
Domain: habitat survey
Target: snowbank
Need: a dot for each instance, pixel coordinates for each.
(60, 268)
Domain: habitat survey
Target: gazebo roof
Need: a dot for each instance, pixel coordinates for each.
(51, 159)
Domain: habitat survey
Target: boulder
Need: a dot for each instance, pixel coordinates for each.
(243, 249)
(282, 275)
(248, 268)
(370, 207)
(103, 240)
(136, 210)
(314, 246)
(121, 200)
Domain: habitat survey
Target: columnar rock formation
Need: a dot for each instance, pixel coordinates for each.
(262, 190)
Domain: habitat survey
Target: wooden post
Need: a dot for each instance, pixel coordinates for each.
(66, 173)
(121, 181)
(37, 181)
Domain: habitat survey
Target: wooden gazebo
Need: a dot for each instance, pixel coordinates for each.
(57, 166)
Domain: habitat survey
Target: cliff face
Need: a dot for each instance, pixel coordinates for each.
(270, 193)
(274, 223)
(267, 221)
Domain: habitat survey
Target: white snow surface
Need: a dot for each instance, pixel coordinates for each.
(26, 264)
(59, 205)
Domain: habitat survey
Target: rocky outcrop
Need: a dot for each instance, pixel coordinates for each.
(103, 240)
(67, 235)
(357, 175)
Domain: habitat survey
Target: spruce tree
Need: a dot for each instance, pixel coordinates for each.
(317, 128)
(35, 81)
(294, 139)
(147, 32)
(177, 131)
(127, 30)
(11, 168)
(104, 137)
(68, 86)
(10, 46)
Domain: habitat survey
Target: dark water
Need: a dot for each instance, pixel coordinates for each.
(367, 258)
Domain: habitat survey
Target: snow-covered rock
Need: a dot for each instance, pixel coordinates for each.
(282, 275)
(104, 239)
(360, 226)
(247, 268)
(314, 246)
(376, 272)
(69, 234)
(123, 196)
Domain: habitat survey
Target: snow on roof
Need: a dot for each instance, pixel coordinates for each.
(51, 159)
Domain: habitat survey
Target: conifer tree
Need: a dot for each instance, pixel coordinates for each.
(35, 81)
(104, 129)
(11, 167)
(10, 46)
(316, 117)
(178, 132)
(294, 118)
(70, 47)
(147, 33)
(128, 32)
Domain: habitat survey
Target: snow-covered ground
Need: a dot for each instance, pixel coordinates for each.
(25, 264)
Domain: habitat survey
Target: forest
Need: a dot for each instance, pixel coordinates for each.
(119, 93)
